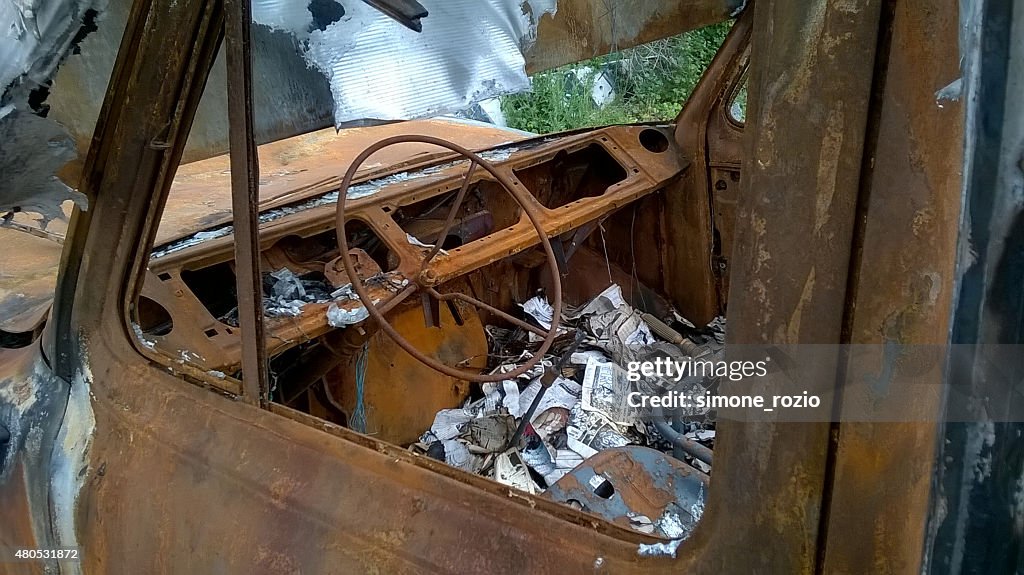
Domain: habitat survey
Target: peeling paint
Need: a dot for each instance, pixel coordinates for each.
(70, 458)
(828, 166)
(35, 37)
(981, 438)
(665, 549)
(194, 239)
(806, 294)
(950, 93)
(141, 337)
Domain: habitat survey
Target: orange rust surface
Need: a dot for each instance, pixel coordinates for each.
(201, 193)
(28, 274)
(401, 395)
(185, 480)
(583, 29)
(884, 472)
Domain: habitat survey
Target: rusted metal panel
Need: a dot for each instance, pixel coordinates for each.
(17, 520)
(692, 233)
(902, 289)
(296, 499)
(27, 278)
(200, 197)
(810, 85)
(625, 484)
(401, 395)
(33, 513)
(582, 29)
(245, 201)
(244, 489)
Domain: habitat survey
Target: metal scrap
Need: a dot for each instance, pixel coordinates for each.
(35, 150)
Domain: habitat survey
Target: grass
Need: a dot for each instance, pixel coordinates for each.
(652, 81)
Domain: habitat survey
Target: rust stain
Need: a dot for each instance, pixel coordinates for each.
(828, 166)
(793, 326)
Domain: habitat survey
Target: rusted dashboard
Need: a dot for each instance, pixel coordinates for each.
(185, 309)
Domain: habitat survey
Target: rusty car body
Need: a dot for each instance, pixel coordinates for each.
(159, 421)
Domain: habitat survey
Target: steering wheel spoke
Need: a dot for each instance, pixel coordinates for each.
(398, 298)
(489, 308)
(431, 310)
(450, 220)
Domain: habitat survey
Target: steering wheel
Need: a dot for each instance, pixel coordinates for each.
(423, 278)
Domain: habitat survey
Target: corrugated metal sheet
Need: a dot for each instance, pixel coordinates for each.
(469, 50)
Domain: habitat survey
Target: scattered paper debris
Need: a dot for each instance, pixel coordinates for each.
(539, 309)
(583, 412)
(457, 454)
(449, 423)
(510, 470)
(563, 393)
(606, 387)
(491, 433)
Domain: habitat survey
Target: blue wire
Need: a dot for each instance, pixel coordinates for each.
(358, 421)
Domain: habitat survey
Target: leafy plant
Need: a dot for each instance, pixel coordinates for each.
(651, 81)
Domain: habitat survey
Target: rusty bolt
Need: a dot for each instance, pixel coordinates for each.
(428, 277)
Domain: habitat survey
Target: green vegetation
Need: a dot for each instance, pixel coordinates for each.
(651, 83)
